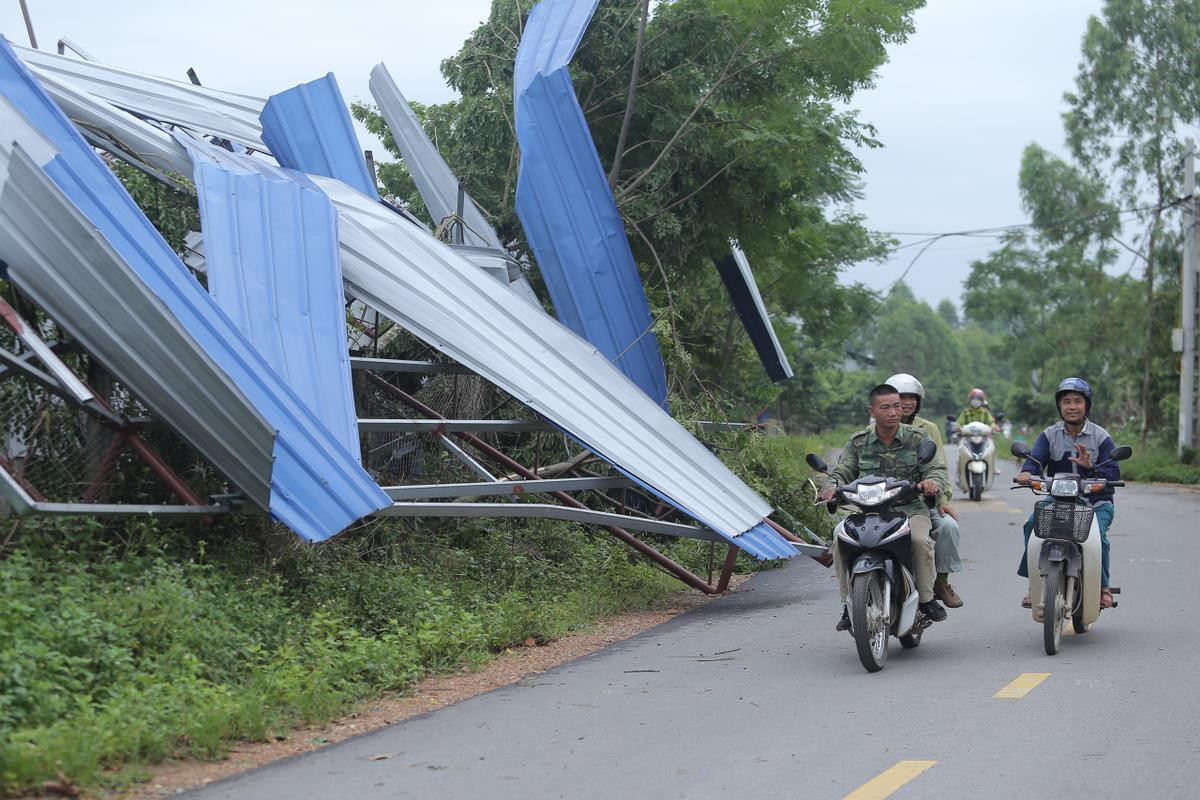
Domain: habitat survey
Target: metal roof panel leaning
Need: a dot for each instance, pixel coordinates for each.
(566, 207)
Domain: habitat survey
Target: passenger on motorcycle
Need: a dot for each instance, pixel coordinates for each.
(1078, 445)
(977, 410)
(945, 520)
(889, 448)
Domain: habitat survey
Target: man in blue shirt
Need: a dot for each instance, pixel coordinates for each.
(1076, 444)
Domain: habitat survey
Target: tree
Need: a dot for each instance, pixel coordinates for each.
(743, 138)
(1138, 80)
(949, 312)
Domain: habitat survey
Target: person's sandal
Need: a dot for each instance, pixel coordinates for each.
(1025, 603)
(1106, 598)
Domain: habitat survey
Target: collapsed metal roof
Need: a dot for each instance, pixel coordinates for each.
(301, 474)
(570, 217)
(421, 283)
(743, 290)
(271, 257)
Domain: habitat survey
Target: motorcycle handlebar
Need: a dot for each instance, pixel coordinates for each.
(1116, 483)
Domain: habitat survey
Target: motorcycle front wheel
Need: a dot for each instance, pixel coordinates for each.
(1054, 609)
(976, 486)
(867, 617)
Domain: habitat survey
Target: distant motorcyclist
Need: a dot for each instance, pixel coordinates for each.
(945, 520)
(889, 448)
(977, 410)
(1077, 445)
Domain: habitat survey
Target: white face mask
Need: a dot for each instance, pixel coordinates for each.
(976, 402)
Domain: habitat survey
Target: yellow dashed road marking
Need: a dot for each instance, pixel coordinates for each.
(1022, 686)
(885, 783)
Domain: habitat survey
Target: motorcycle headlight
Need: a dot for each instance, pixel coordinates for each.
(871, 494)
(1064, 487)
(977, 440)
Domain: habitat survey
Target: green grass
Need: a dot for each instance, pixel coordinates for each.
(1159, 463)
(120, 648)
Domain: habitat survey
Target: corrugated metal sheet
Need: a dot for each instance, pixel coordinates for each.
(308, 128)
(431, 291)
(150, 143)
(569, 214)
(503, 267)
(316, 489)
(743, 290)
(430, 172)
(225, 114)
(272, 263)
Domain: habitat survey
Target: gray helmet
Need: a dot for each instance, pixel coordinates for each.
(1077, 385)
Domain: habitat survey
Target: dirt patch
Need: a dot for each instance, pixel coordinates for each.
(428, 694)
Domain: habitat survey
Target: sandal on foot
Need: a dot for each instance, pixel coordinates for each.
(1106, 598)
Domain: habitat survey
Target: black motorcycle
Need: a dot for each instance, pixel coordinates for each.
(874, 541)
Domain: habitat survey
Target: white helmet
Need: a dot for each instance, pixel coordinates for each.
(907, 384)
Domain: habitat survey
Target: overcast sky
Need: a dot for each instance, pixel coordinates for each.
(954, 107)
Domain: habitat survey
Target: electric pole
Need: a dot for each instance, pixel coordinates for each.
(1189, 397)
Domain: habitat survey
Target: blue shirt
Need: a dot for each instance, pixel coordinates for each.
(1054, 446)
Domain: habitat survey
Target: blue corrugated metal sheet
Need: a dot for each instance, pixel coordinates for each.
(316, 487)
(743, 290)
(568, 212)
(270, 244)
(328, 148)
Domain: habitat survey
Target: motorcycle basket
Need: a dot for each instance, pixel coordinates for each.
(1067, 521)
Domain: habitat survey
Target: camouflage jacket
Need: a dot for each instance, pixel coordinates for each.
(866, 454)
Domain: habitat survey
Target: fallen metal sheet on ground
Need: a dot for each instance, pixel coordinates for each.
(565, 205)
(303, 476)
(743, 290)
(271, 256)
(224, 114)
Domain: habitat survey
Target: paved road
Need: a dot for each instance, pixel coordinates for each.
(755, 695)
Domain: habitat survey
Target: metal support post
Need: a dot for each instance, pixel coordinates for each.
(678, 571)
(1187, 374)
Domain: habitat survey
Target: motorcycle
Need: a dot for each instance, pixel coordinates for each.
(976, 459)
(875, 545)
(951, 428)
(1066, 549)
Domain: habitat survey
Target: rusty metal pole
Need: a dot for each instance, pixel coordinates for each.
(680, 572)
(727, 568)
(825, 560)
(106, 462)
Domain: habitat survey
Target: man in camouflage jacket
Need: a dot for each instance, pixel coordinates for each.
(889, 448)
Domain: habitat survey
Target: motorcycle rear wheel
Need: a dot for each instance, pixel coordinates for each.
(1053, 609)
(869, 625)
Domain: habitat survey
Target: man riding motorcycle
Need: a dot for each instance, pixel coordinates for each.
(945, 519)
(976, 410)
(1075, 444)
(889, 448)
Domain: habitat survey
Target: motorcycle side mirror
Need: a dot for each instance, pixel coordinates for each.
(1120, 453)
(816, 462)
(1020, 449)
(926, 451)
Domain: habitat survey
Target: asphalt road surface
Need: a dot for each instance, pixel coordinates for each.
(756, 695)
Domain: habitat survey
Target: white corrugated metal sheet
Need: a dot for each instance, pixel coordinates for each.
(225, 114)
(443, 299)
(430, 172)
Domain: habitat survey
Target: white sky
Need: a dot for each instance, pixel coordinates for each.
(955, 106)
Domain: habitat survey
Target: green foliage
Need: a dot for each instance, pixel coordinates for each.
(172, 212)
(740, 139)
